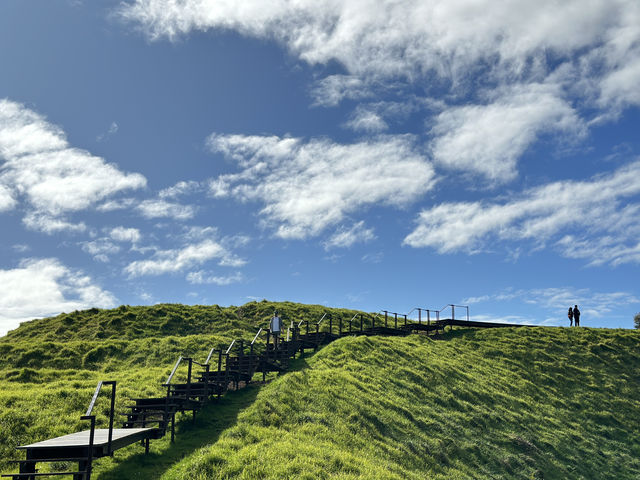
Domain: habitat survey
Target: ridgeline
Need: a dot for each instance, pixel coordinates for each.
(504, 403)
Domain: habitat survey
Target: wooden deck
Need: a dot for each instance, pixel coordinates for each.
(121, 437)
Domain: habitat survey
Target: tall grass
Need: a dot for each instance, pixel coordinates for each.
(514, 403)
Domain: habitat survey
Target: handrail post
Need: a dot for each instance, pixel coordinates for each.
(307, 327)
(453, 312)
(467, 313)
(361, 322)
(386, 316)
(428, 317)
(405, 320)
(111, 413)
(373, 323)
(385, 322)
(92, 419)
(330, 324)
(268, 340)
(189, 378)
(340, 326)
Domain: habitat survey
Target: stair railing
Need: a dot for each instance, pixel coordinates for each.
(92, 418)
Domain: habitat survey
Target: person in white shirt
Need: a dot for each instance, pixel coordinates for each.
(275, 326)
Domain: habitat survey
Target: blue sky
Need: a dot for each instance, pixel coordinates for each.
(361, 154)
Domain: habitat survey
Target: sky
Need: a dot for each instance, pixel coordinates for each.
(366, 154)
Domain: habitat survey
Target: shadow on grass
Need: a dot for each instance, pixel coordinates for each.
(210, 422)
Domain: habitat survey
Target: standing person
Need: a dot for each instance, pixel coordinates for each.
(570, 315)
(275, 326)
(576, 315)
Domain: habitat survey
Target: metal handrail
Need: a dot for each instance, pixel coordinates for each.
(175, 367)
(256, 337)
(230, 347)
(209, 356)
(354, 317)
(92, 418)
(320, 321)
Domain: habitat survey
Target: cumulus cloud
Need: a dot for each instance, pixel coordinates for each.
(100, 249)
(165, 209)
(177, 260)
(122, 234)
(595, 207)
(44, 287)
(489, 139)
(366, 120)
(179, 189)
(52, 177)
(346, 237)
(309, 186)
(564, 64)
(204, 278)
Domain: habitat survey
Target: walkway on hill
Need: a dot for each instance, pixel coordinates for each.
(231, 368)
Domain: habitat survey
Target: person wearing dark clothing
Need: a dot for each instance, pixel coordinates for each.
(570, 315)
(576, 315)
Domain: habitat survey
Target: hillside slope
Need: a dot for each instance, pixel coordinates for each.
(49, 367)
(506, 403)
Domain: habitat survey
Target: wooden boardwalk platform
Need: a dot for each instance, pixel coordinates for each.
(121, 438)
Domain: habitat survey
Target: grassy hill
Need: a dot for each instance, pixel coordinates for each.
(49, 367)
(515, 403)
(507, 403)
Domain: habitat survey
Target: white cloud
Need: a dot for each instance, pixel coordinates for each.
(366, 120)
(164, 209)
(309, 186)
(563, 62)
(122, 234)
(489, 139)
(100, 249)
(120, 204)
(50, 224)
(44, 287)
(179, 189)
(346, 237)
(396, 38)
(580, 208)
(204, 278)
(54, 178)
(7, 202)
(177, 260)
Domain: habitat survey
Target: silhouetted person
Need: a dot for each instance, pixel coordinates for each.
(576, 315)
(570, 315)
(275, 326)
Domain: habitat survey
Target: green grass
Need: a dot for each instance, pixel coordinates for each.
(50, 367)
(514, 403)
(505, 403)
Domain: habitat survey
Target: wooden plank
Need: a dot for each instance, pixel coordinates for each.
(81, 439)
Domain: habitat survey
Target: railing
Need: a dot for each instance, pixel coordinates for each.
(92, 418)
(453, 310)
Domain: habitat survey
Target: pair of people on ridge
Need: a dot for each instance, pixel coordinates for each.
(574, 314)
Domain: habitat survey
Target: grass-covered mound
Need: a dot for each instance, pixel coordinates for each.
(49, 367)
(547, 403)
